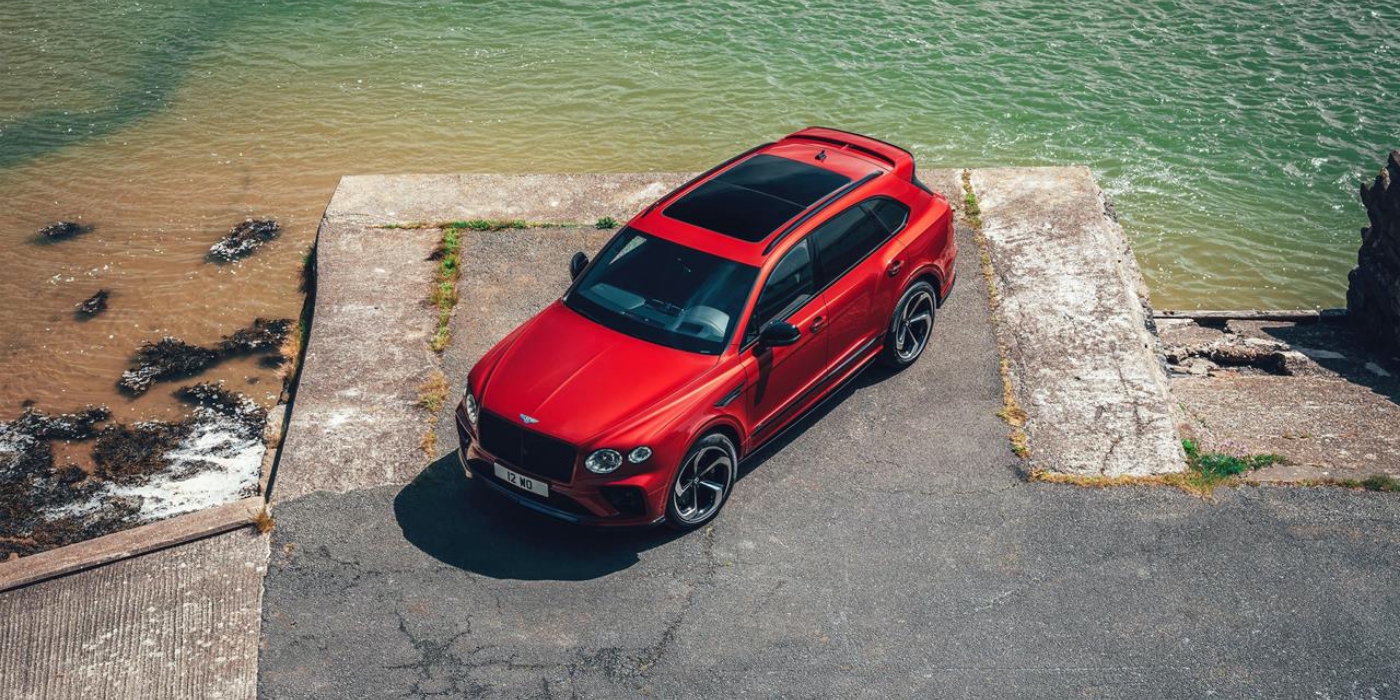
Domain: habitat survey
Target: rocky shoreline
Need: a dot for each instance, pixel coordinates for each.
(69, 477)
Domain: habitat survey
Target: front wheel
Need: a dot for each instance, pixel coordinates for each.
(702, 482)
(911, 326)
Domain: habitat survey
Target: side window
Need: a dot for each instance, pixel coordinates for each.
(791, 280)
(890, 213)
(846, 239)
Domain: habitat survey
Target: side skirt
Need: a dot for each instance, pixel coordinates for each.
(872, 351)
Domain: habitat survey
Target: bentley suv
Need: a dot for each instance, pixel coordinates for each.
(710, 322)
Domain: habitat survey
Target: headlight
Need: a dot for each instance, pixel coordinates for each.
(472, 411)
(603, 461)
(639, 455)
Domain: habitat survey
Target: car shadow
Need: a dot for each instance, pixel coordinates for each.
(463, 524)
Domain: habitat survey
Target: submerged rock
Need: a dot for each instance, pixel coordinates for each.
(231, 404)
(244, 238)
(142, 472)
(167, 358)
(172, 358)
(93, 305)
(62, 231)
(264, 335)
(36, 499)
(132, 452)
(63, 426)
(22, 456)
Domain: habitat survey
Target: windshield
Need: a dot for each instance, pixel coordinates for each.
(662, 292)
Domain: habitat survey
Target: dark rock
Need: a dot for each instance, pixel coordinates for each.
(232, 404)
(93, 305)
(244, 238)
(1373, 290)
(64, 426)
(70, 474)
(171, 358)
(130, 453)
(263, 336)
(62, 231)
(167, 358)
(22, 456)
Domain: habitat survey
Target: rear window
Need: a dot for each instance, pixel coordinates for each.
(752, 199)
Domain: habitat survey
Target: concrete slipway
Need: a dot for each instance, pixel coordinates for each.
(887, 548)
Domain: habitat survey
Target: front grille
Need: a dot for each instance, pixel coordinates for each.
(527, 450)
(557, 501)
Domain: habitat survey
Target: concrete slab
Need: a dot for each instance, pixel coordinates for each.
(354, 422)
(581, 198)
(178, 623)
(1073, 318)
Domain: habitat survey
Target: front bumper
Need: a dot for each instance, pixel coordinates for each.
(582, 502)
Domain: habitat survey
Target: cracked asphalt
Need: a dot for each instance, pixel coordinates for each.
(887, 548)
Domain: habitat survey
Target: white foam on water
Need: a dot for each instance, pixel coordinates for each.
(222, 464)
(216, 463)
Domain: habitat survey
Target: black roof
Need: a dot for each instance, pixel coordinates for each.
(752, 199)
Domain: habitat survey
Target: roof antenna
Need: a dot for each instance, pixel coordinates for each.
(822, 155)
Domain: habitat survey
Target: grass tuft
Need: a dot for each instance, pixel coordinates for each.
(1378, 482)
(1010, 412)
(605, 223)
(443, 295)
(428, 442)
(262, 522)
(433, 392)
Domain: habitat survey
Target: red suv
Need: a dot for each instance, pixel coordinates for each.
(713, 320)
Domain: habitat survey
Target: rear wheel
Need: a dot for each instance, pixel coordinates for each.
(911, 326)
(702, 482)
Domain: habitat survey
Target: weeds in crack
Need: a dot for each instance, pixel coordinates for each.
(1010, 412)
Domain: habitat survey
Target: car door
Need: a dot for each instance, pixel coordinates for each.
(781, 379)
(854, 262)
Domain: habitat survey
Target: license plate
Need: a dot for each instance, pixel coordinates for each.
(522, 482)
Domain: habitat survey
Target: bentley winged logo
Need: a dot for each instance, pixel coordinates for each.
(529, 420)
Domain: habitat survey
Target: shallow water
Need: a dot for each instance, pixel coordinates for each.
(1231, 135)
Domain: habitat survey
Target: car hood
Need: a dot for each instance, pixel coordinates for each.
(578, 378)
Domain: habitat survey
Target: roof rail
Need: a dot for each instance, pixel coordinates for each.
(898, 158)
(703, 176)
(817, 208)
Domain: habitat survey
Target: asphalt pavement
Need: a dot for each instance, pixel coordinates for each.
(886, 548)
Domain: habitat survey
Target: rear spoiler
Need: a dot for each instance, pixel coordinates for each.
(899, 160)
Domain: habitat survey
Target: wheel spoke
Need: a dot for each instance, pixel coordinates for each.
(924, 317)
(713, 486)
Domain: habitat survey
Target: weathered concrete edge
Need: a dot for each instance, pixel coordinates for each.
(1125, 274)
(129, 543)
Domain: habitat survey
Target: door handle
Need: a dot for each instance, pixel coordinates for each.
(818, 324)
(894, 268)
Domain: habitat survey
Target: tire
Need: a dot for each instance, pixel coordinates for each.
(689, 503)
(905, 336)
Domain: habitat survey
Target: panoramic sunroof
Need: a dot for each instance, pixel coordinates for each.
(752, 199)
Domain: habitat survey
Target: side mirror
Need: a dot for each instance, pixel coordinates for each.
(778, 334)
(577, 263)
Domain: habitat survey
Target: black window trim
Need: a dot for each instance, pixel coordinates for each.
(817, 270)
(787, 311)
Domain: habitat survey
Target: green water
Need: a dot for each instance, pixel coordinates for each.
(1231, 135)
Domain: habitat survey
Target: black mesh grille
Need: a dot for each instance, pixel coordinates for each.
(526, 450)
